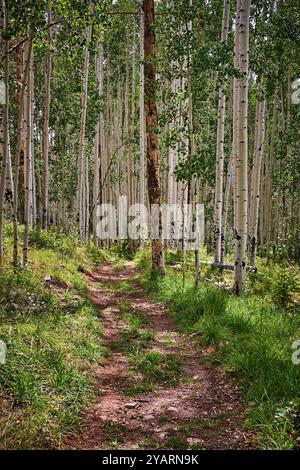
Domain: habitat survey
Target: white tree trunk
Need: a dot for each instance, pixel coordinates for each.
(27, 159)
(241, 163)
(5, 156)
(98, 144)
(235, 92)
(220, 146)
(82, 163)
(225, 209)
(28, 49)
(46, 126)
(142, 114)
(255, 181)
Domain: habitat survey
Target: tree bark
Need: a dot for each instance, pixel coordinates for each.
(82, 163)
(225, 210)
(46, 126)
(255, 182)
(220, 146)
(99, 144)
(142, 114)
(28, 157)
(241, 163)
(5, 157)
(28, 49)
(153, 157)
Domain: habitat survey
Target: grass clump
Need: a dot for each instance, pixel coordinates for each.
(157, 367)
(153, 366)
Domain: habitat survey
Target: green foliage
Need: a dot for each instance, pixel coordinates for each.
(53, 240)
(22, 292)
(284, 285)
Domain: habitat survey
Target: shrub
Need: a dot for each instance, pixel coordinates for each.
(284, 284)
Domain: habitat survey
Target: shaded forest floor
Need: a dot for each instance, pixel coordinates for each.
(154, 391)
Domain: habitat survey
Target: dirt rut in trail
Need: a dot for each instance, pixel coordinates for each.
(200, 409)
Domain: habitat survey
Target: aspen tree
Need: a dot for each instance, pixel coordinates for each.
(268, 203)
(142, 114)
(171, 158)
(255, 181)
(127, 129)
(9, 186)
(32, 185)
(153, 157)
(220, 145)
(241, 162)
(226, 198)
(45, 198)
(28, 49)
(96, 175)
(82, 163)
(5, 157)
(28, 158)
(130, 165)
(99, 142)
(235, 116)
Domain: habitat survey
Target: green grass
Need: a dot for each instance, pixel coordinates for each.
(138, 389)
(136, 343)
(157, 367)
(253, 337)
(53, 339)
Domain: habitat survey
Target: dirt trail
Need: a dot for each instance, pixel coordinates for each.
(201, 409)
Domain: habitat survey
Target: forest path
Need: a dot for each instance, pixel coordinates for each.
(154, 392)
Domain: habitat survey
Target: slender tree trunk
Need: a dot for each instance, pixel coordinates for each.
(225, 210)
(28, 156)
(241, 163)
(255, 182)
(268, 203)
(235, 104)
(32, 216)
(130, 167)
(82, 163)
(142, 115)
(28, 49)
(9, 185)
(99, 144)
(46, 126)
(5, 157)
(220, 146)
(153, 157)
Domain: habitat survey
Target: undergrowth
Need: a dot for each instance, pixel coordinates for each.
(52, 337)
(252, 336)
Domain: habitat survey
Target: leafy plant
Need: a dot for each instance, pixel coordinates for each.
(284, 284)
